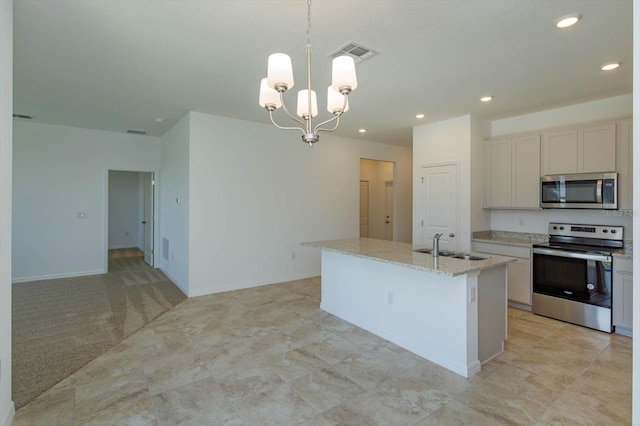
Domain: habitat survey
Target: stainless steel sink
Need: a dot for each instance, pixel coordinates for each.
(465, 256)
(441, 252)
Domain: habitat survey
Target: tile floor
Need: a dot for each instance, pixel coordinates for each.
(270, 356)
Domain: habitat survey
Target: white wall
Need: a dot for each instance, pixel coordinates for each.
(257, 193)
(174, 205)
(377, 173)
(537, 220)
(60, 172)
(6, 129)
(600, 110)
(124, 209)
(447, 141)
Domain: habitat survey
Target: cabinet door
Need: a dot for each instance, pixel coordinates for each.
(525, 172)
(624, 164)
(560, 152)
(597, 148)
(497, 173)
(622, 299)
(519, 281)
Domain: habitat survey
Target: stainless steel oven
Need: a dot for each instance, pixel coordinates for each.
(572, 274)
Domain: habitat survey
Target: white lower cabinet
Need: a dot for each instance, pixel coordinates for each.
(622, 304)
(518, 272)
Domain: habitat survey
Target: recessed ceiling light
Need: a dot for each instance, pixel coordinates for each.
(486, 98)
(158, 119)
(419, 115)
(610, 66)
(567, 20)
(362, 130)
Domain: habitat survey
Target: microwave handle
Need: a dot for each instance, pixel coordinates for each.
(599, 191)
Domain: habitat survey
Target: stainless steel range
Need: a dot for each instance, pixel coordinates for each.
(572, 274)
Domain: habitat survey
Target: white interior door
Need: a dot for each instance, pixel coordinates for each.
(147, 215)
(440, 205)
(388, 211)
(364, 209)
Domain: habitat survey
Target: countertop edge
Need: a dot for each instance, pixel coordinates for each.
(497, 262)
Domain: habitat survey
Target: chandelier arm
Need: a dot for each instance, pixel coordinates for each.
(334, 118)
(291, 116)
(337, 118)
(283, 127)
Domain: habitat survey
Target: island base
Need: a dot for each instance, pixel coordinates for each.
(457, 322)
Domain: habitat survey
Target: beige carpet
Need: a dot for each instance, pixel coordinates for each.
(60, 325)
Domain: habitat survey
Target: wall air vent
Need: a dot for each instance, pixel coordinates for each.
(357, 51)
(137, 132)
(26, 117)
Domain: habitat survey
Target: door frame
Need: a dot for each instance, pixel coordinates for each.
(393, 204)
(156, 216)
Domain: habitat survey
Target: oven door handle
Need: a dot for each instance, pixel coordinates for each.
(574, 255)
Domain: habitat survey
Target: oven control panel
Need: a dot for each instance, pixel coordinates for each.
(603, 232)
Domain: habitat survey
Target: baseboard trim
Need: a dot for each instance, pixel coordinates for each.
(55, 276)
(8, 416)
(125, 246)
(251, 284)
(175, 281)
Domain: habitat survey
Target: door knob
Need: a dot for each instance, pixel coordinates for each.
(452, 235)
(387, 221)
(144, 221)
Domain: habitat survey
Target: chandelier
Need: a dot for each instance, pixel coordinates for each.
(280, 79)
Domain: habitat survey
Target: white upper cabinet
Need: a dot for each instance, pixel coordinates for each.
(512, 172)
(497, 173)
(559, 152)
(526, 168)
(597, 148)
(579, 150)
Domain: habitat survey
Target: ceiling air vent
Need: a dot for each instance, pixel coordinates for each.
(357, 51)
(26, 117)
(137, 132)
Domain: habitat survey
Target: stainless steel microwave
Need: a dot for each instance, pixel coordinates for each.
(579, 191)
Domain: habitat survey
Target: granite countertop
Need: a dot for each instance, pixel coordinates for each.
(510, 238)
(403, 254)
(626, 252)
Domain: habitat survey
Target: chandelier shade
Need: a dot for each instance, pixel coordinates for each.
(280, 79)
(303, 103)
(336, 101)
(269, 98)
(343, 74)
(279, 71)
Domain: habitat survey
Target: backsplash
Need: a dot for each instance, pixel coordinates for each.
(537, 221)
(511, 235)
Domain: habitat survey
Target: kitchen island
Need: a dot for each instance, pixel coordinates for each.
(450, 311)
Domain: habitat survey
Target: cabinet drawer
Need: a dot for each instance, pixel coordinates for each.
(503, 250)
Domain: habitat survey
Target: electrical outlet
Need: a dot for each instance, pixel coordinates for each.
(390, 298)
(126, 234)
(293, 255)
(521, 221)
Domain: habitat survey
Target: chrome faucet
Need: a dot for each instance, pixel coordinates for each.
(436, 245)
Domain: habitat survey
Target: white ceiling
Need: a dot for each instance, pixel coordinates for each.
(118, 64)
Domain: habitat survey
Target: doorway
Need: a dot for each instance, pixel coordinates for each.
(377, 199)
(130, 213)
